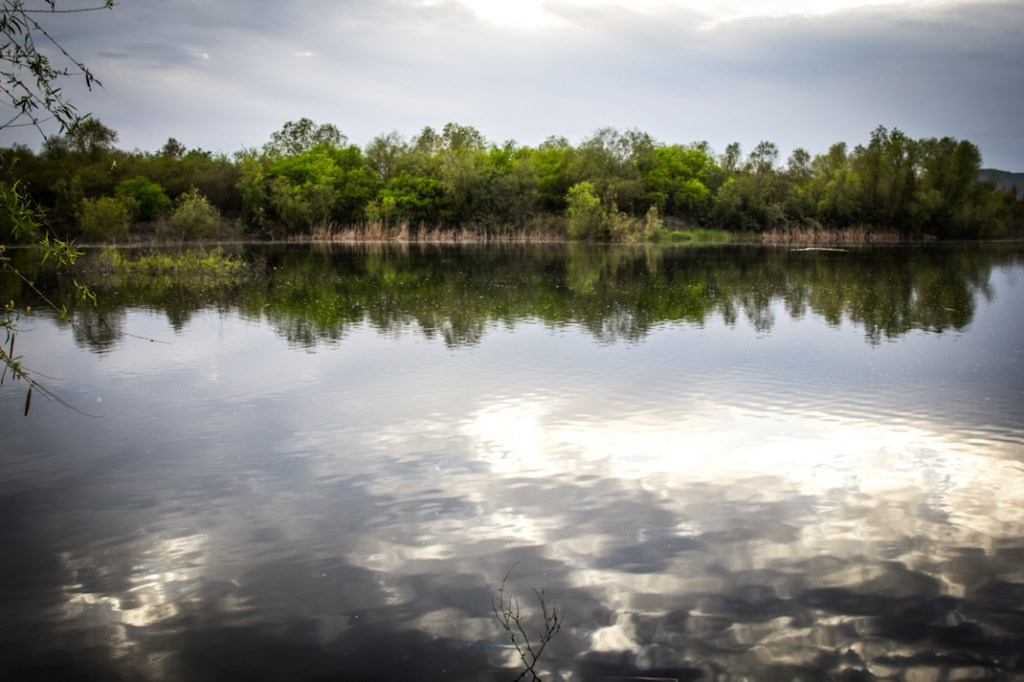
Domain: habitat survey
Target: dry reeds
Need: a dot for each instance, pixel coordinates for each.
(535, 231)
(818, 236)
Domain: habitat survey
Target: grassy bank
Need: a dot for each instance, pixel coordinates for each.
(699, 236)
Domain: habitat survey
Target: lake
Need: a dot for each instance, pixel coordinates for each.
(721, 463)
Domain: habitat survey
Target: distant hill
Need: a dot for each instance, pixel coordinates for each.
(1005, 179)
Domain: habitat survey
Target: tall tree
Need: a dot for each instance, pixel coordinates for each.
(384, 152)
(296, 137)
(677, 183)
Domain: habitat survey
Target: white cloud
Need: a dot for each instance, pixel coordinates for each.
(548, 13)
(519, 13)
(799, 73)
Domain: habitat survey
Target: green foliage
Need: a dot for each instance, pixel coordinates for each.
(67, 200)
(19, 221)
(408, 199)
(172, 149)
(384, 154)
(106, 219)
(453, 179)
(255, 193)
(31, 89)
(196, 266)
(91, 138)
(194, 216)
(729, 211)
(457, 137)
(320, 186)
(555, 165)
(699, 235)
(625, 228)
(149, 199)
(587, 217)
(290, 206)
(214, 175)
(30, 79)
(296, 137)
(615, 163)
(677, 181)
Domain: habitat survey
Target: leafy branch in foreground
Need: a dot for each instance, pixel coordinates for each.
(26, 221)
(30, 87)
(29, 78)
(506, 610)
(12, 366)
(10, 316)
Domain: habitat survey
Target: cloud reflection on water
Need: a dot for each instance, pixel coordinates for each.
(690, 530)
(743, 494)
(713, 499)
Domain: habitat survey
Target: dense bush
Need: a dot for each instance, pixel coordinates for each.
(150, 199)
(105, 218)
(194, 216)
(309, 177)
(587, 216)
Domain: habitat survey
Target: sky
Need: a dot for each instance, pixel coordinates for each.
(222, 75)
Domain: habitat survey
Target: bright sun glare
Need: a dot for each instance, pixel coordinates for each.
(543, 13)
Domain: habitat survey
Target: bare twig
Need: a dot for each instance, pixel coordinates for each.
(506, 610)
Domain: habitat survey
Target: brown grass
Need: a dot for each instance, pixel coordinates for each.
(536, 231)
(820, 236)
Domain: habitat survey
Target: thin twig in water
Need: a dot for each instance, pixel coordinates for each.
(506, 610)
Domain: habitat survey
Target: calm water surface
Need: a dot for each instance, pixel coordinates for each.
(721, 464)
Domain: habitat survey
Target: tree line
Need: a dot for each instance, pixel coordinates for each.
(615, 185)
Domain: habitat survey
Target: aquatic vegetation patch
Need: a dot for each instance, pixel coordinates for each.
(192, 265)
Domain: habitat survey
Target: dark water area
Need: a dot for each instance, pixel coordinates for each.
(721, 464)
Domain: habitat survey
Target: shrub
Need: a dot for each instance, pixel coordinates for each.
(586, 214)
(150, 198)
(194, 215)
(105, 218)
(292, 208)
(625, 228)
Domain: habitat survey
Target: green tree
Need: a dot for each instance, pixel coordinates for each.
(615, 162)
(296, 137)
(91, 138)
(461, 165)
(752, 195)
(150, 200)
(173, 149)
(458, 137)
(556, 169)
(798, 203)
(194, 216)
(730, 160)
(587, 217)
(106, 218)
(833, 188)
(952, 200)
(384, 153)
(411, 199)
(255, 192)
(428, 142)
(322, 185)
(886, 173)
(677, 181)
